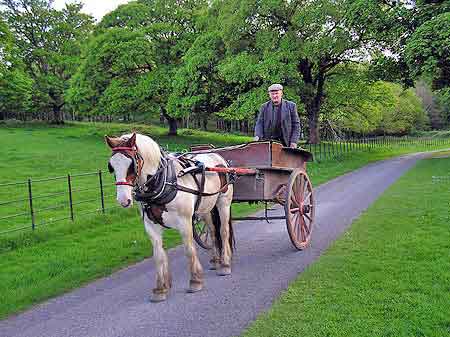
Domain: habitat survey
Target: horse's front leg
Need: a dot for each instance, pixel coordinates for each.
(195, 268)
(163, 278)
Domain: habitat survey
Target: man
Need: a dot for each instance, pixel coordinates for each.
(278, 119)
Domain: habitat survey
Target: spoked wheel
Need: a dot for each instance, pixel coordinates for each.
(201, 232)
(299, 208)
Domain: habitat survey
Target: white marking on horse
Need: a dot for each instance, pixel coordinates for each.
(121, 163)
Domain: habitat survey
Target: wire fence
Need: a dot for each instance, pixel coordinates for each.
(36, 202)
(332, 150)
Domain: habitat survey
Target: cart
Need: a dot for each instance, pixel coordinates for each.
(273, 174)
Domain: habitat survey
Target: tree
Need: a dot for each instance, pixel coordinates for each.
(300, 43)
(428, 51)
(421, 51)
(431, 105)
(15, 85)
(402, 109)
(170, 26)
(353, 104)
(6, 44)
(197, 86)
(113, 77)
(49, 44)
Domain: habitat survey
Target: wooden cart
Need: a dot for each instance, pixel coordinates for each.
(277, 174)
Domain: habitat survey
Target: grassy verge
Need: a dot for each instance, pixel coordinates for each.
(64, 255)
(387, 276)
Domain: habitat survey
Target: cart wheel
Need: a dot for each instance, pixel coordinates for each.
(299, 208)
(201, 232)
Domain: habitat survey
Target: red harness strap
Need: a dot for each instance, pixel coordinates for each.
(124, 183)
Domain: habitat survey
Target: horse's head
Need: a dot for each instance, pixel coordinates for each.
(126, 164)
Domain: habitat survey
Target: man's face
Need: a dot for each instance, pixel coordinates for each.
(275, 96)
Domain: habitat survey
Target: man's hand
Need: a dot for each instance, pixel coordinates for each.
(293, 145)
(256, 138)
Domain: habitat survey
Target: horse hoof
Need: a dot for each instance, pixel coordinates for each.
(224, 271)
(213, 266)
(158, 297)
(194, 287)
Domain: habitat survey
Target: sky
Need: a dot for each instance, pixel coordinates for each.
(96, 8)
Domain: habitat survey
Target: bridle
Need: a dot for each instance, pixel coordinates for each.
(137, 163)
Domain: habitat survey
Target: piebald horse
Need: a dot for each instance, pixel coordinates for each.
(143, 170)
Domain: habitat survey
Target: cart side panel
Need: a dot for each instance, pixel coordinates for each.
(249, 188)
(249, 155)
(288, 157)
(264, 186)
(275, 181)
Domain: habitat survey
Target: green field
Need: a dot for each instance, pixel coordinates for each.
(63, 255)
(388, 275)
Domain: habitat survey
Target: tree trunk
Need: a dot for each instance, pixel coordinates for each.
(313, 123)
(173, 127)
(312, 97)
(58, 115)
(57, 104)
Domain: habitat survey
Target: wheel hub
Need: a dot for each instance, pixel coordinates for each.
(306, 209)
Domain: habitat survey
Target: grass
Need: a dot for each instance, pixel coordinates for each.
(63, 255)
(387, 276)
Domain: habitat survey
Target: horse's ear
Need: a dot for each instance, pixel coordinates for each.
(132, 141)
(112, 141)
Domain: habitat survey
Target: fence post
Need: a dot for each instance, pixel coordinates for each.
(102, 196)
(332, 148)
(320, 151)
(30, 197)
(69, 182)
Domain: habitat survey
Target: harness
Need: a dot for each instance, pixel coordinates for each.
(162, 187)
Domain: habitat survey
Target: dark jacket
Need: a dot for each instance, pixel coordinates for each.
(290, 123)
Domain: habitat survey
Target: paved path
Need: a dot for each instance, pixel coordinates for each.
(263, 266)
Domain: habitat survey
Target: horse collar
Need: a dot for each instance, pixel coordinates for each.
(158, 189)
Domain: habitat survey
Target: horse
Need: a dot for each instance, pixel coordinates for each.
(169, 194)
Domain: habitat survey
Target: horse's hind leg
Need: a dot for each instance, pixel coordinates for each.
(163, 278)
(224, 209)
(195, 268)
(214, 251)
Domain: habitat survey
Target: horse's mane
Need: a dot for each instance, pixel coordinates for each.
(148, 149)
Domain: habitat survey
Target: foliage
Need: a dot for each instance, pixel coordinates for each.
(428, 51)
(356, 105)
(353, 103)
(6, 45)
(113, 73)
(166, 30)
(15, 84)
(15, 92)
(421, 52)
(197, 85)
(402, 110)
(48, 43)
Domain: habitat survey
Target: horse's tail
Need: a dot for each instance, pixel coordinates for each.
(217, 225)
(231, 237)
